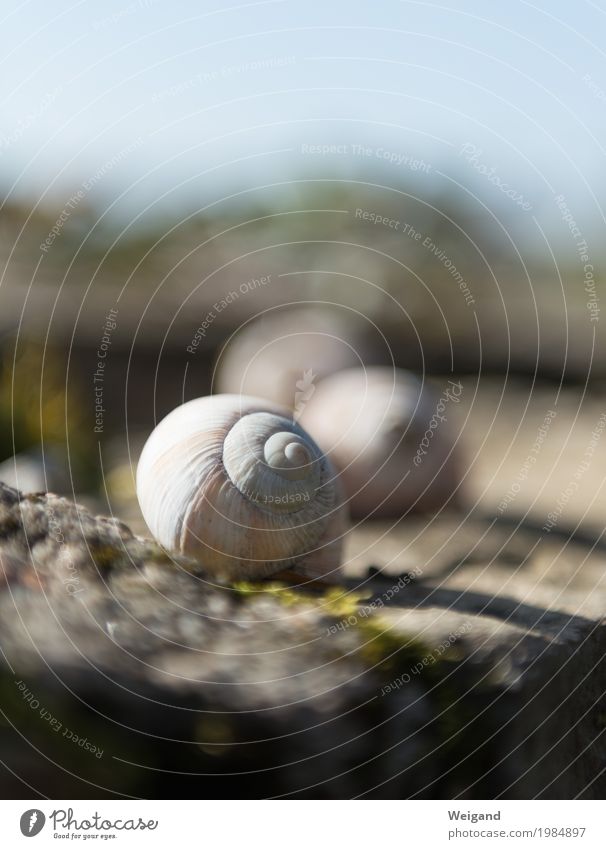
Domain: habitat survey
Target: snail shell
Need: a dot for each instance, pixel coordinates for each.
(273, 356)
(372, 423)
(233, 482)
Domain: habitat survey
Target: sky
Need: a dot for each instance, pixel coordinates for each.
(189, 102)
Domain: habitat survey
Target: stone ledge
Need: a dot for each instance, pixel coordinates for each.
(163, 682)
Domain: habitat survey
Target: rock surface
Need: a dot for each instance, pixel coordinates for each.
(467, 661)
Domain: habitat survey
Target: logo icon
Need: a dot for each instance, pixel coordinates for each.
(305, 389)
(32, 822)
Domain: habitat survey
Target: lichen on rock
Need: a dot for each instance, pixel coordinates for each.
(126, 671)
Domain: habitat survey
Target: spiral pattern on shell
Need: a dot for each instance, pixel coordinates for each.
(233, 482)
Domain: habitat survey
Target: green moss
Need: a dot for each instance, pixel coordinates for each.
(334, 601)
(105, 556)
(451, 687)
(380, 645)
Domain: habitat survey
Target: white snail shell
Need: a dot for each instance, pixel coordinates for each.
(371, 423)
(233, 482)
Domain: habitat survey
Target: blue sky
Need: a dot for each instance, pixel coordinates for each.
(185, 99)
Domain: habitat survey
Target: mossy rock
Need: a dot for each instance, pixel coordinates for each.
(127, 672)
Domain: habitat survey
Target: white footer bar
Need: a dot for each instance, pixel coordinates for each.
(302, 824)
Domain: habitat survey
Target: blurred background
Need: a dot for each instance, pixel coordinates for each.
(430, 175)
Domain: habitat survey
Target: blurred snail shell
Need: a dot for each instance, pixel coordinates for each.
(284, 350)
(233, 482)
(373, 424)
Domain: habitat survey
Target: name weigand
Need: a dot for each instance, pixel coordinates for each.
(473, 817)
